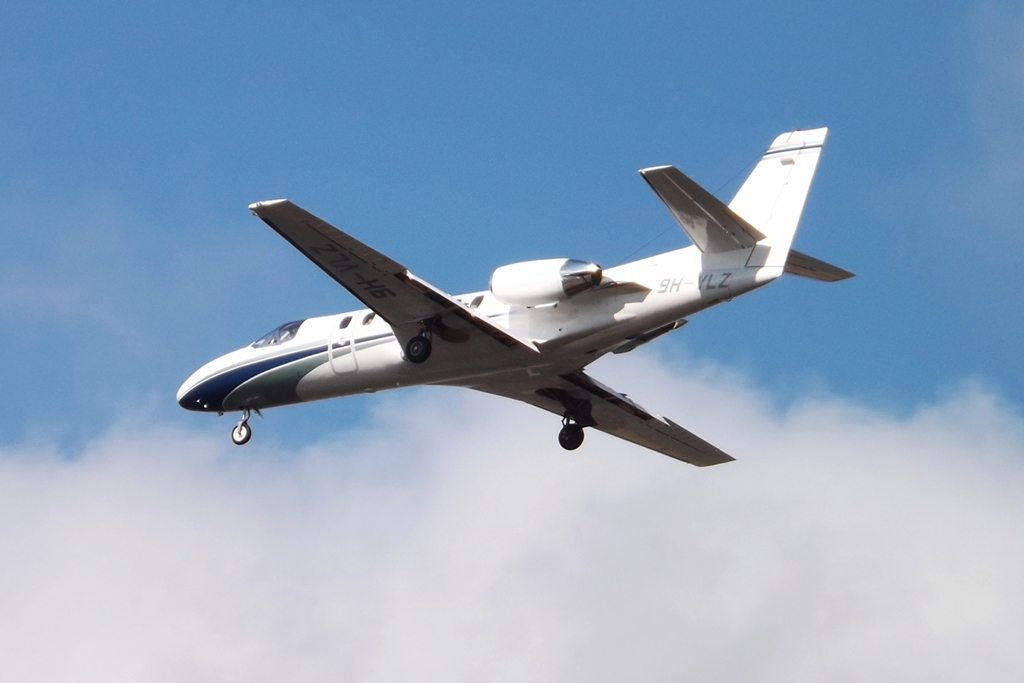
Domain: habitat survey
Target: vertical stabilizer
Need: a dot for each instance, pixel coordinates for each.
(772, 198)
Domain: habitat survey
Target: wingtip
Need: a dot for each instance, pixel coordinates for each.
(650, 169)
(256, 206)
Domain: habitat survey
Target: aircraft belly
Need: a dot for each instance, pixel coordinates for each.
(377, 367)
(383, 366)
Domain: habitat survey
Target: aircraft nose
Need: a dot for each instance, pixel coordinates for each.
(186, 397)
(197, 395)
(182, 393)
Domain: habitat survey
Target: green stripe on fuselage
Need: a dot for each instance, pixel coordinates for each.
(275, 387)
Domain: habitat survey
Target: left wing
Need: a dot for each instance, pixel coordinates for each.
(595, 405)
(381, 283)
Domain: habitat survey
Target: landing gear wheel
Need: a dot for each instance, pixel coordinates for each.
(571, 437)
(241, 433)
(418, 349)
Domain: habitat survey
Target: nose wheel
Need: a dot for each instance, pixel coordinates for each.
(242, 432)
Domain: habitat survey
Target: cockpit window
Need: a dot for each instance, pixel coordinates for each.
(278, 335)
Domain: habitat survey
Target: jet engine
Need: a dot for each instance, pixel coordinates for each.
(533, 283)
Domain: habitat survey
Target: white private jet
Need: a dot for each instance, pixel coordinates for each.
(530, 336)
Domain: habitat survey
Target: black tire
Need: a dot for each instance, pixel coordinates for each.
(571, 437)
(241, 434)
(418, 349)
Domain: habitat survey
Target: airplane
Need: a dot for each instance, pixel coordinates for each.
(533, 332)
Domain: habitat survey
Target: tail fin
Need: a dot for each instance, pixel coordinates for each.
(772, 198)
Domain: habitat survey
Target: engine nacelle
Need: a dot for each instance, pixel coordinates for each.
(533, 283)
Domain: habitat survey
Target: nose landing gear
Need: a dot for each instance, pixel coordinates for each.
(242, 432)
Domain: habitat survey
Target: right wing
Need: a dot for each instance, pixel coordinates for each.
(595, 405)
(382, 284)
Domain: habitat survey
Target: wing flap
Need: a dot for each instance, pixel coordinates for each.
(457, 310)
(712, 225)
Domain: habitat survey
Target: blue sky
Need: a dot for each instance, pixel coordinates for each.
(871, 527)
(457, 138)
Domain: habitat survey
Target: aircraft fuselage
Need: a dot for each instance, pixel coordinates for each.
(357, 352)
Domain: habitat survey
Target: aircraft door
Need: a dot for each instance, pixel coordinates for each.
(343, 347)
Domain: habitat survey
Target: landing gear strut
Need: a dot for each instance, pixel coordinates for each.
(242, 431)
(571, 436)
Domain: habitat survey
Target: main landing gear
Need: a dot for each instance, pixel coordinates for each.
(571, 436)
(418, 348)
(577, 415)
(242, 431)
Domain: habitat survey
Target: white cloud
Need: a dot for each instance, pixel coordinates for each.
(453, 540)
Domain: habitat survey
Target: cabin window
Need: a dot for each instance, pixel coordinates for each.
(369, 318)
(477, 301)
(279, 335)
(344, 322)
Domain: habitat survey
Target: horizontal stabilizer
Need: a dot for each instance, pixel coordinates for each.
(807, 266)
(712, 225)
